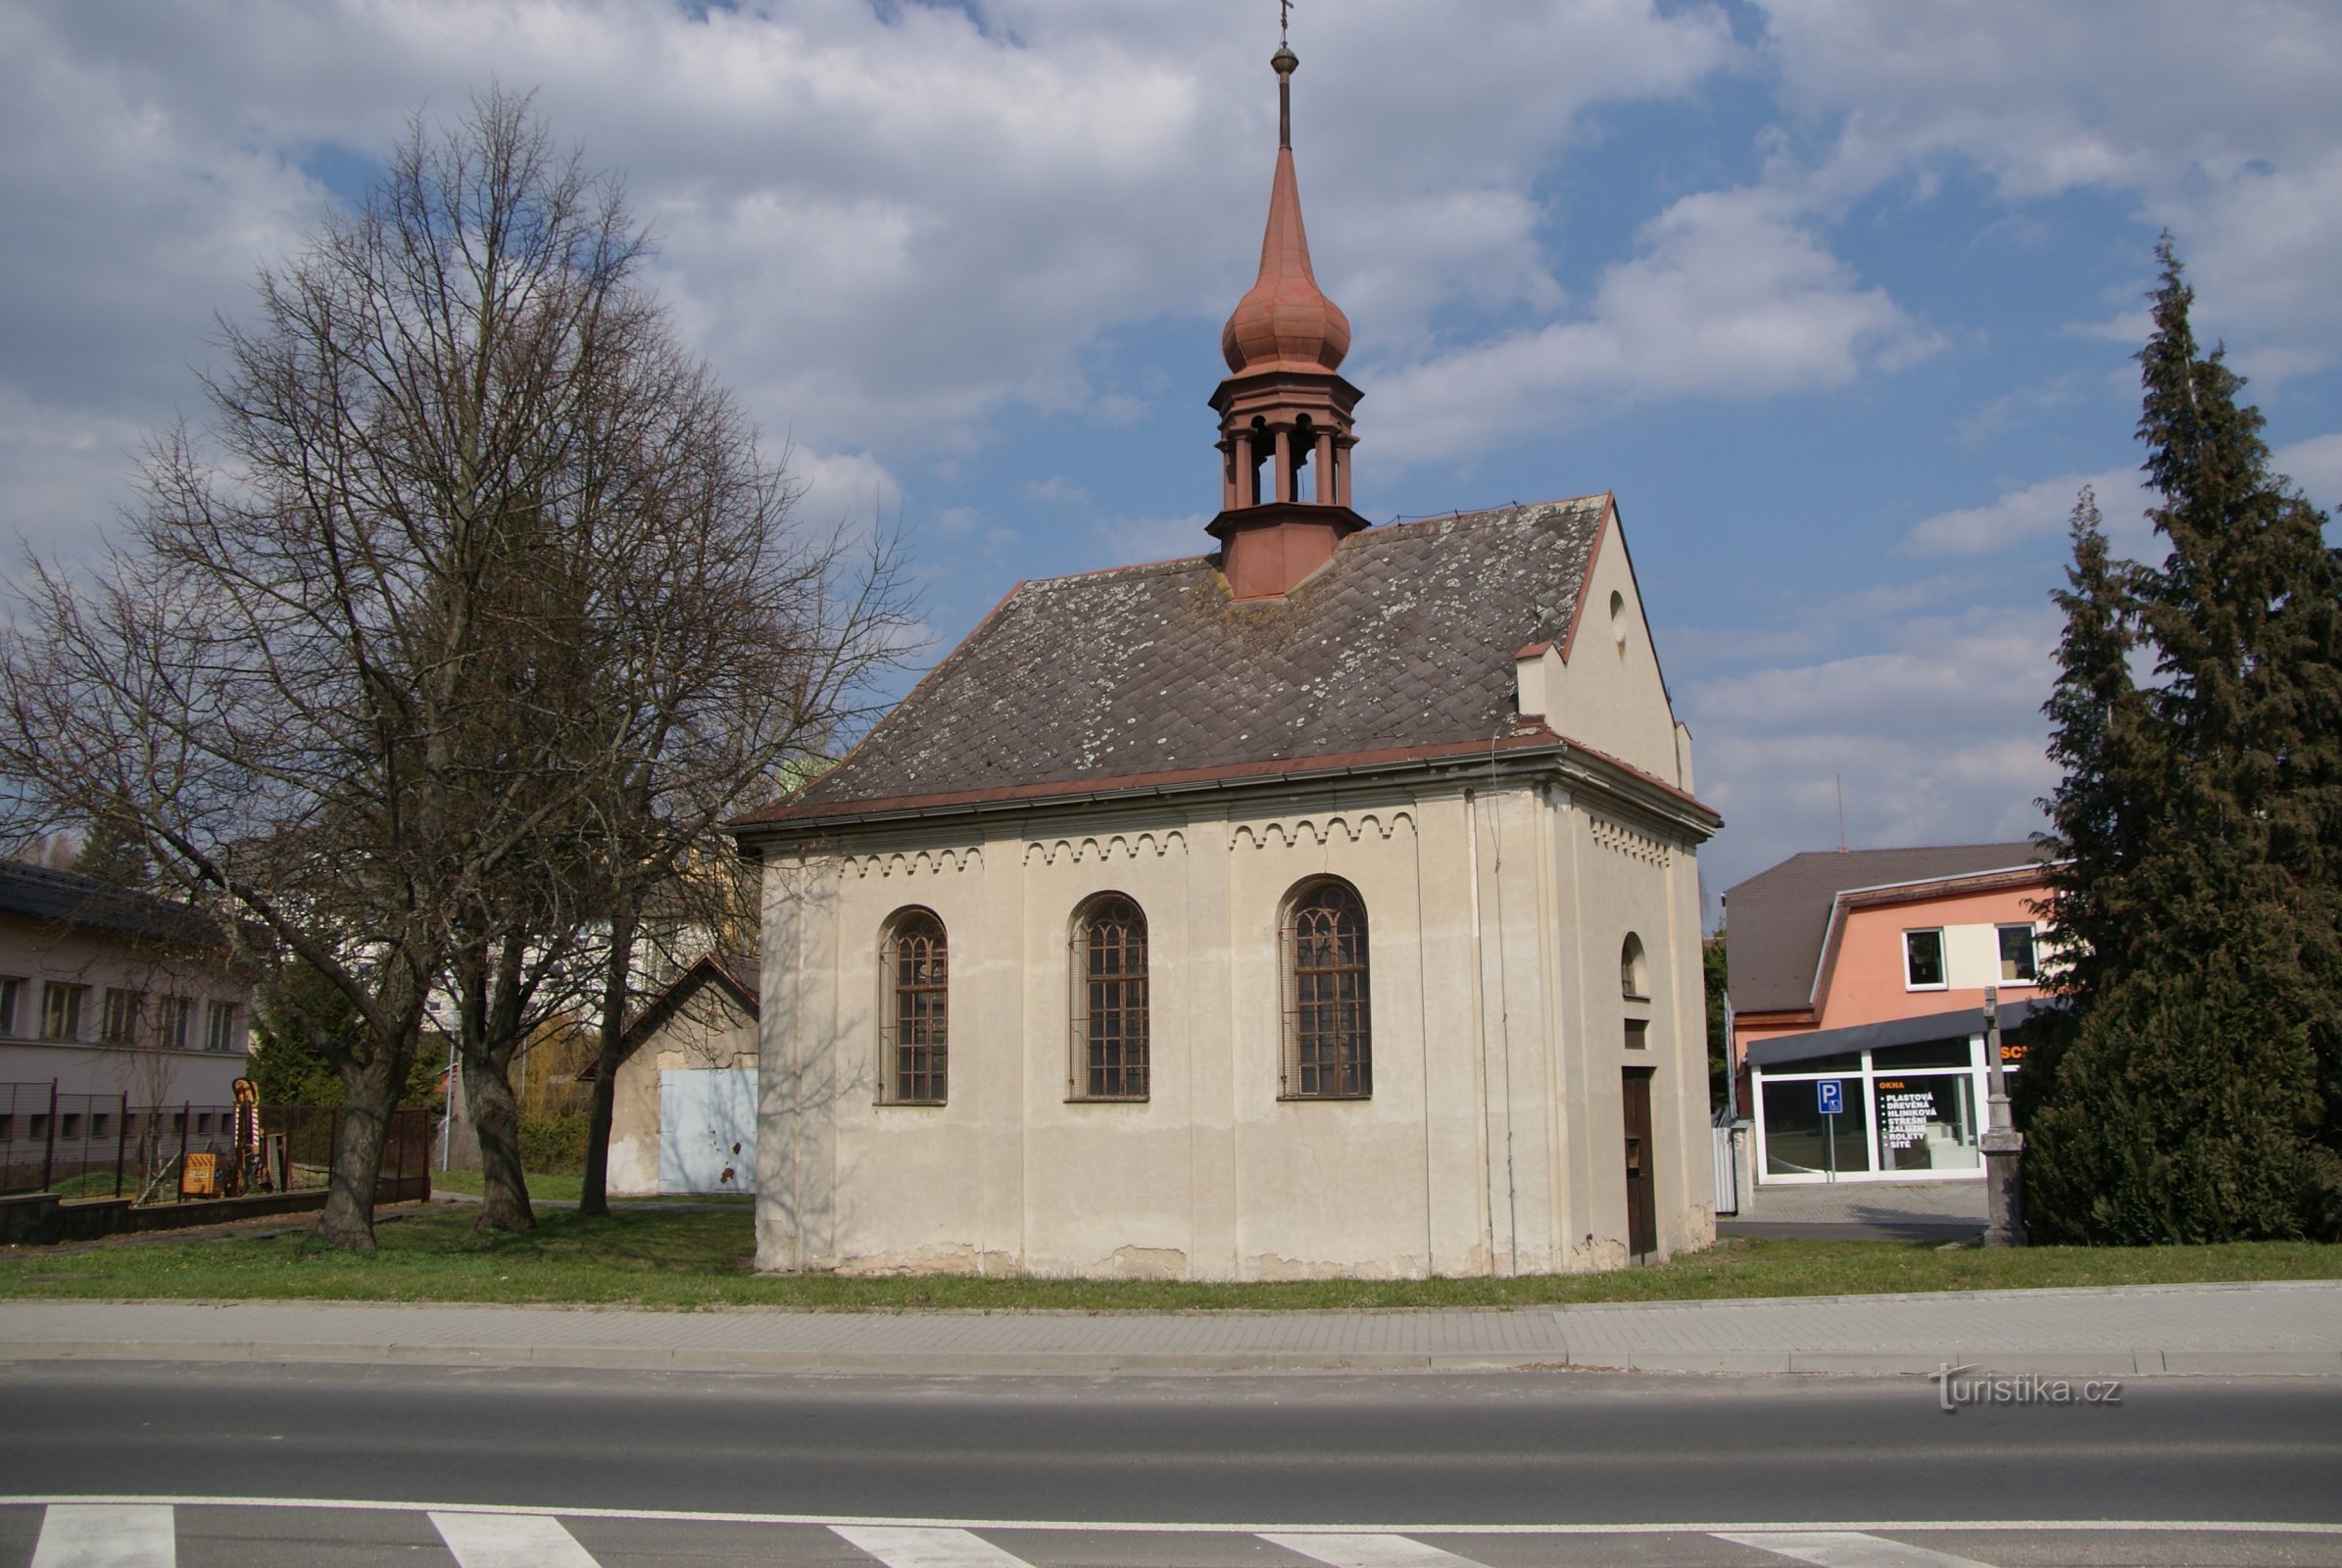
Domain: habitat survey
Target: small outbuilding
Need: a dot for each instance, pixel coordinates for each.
(683, 1116)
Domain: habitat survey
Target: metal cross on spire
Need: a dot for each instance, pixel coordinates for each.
(1284, 19)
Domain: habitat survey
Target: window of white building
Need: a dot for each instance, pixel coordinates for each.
(60, 1007)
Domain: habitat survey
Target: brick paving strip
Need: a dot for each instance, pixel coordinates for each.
(2290, 1327)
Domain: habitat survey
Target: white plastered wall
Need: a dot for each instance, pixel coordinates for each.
(1492, 1143)
(1608, 693)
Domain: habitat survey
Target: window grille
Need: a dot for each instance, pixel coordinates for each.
(1329, 1047)
(1109, 997)
(917, 1010)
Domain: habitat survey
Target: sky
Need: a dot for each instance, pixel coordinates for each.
(1837, 299)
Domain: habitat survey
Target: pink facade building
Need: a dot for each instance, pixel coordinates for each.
(1858, 980)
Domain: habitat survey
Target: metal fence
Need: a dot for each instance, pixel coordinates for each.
(101, 1146)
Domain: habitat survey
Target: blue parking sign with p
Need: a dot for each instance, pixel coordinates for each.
(1829, 1096)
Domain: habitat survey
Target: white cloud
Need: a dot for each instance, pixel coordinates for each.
(1938, 738)
(2034, 513)
(1057, 490)
(2222, 123)
(1732, 294)
(844, 487)
(887, 224)
(2315, 464)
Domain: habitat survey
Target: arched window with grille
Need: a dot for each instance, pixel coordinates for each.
(1109, 1000)
(1329, 1030)
(916, 1011)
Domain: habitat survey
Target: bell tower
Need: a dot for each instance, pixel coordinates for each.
(1285, 413)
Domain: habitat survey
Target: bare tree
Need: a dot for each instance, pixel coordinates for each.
(315, 677)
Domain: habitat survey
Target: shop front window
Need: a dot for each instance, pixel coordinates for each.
(1799, 1141)
(1925, 1122)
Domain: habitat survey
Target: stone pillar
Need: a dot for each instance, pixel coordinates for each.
(1284, 464)
(2003, 1143)
(1341, 491)
(1247, 468)
(1324, 490)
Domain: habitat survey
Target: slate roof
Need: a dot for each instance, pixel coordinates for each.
(1405, 640)
(1779, 919)
(68, 899)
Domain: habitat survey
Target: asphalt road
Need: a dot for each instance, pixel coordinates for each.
(1412, 1450)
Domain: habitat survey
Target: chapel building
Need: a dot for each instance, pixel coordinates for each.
(1323, 906)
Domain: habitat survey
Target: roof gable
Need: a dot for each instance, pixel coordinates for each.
(1406, 639)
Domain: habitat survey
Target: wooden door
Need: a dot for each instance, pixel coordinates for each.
(1643, 1205)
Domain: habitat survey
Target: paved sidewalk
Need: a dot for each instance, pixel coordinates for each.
(2282, 1328)
(1902, 1212)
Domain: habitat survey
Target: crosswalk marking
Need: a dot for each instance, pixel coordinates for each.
(510, 1540)
(1368, 1550)
(928, 1549)
(106, 1535)
(1846, 1548)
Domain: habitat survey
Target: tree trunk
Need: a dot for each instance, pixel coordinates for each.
(368, 1096)
(593, 1196)
(496, 1115)
(491, 1038)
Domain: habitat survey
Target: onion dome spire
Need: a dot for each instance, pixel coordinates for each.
(1285, 321)
(1286, 422)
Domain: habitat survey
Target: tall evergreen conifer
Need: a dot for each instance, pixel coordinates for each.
(2199, 1097)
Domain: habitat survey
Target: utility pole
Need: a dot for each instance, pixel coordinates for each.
(2003, 1143)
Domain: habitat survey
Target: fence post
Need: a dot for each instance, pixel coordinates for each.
(48, 1157)
(121, 1141)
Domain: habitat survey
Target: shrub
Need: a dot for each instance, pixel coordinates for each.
(554, 1142)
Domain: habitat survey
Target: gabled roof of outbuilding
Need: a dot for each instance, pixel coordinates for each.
(733, 974)
(1779, 919)
(1403, 644)
(69, 898)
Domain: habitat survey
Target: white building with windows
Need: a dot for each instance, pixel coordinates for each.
(1322, 905)
(109, 992)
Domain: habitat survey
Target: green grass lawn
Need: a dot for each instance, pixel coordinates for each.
(685, 1259)
(563, 1187)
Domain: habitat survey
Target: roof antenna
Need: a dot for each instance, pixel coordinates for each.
(1841, 813)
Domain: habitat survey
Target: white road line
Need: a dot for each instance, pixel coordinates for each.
(106, 1535)
(1368, 1550)
(510, 1540)
(928, 1549)
(1175, 1527)
(1846, 1548)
